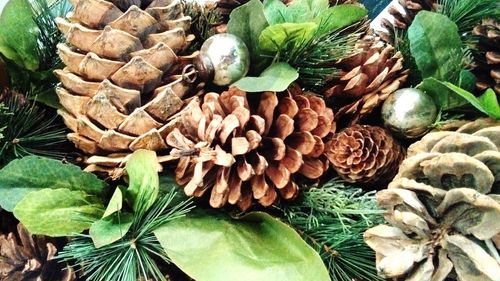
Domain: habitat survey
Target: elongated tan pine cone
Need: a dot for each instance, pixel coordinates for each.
(122, 78)
(443, 209)
(24, 257)
(366, 79)
(364, 154)
(243, 147)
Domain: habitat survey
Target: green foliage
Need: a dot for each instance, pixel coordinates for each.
(4, 112)
(332, 219)
(58, 212)
(283, 36)
(136, 255)
(28, 131)
(276, 77)
(210, 246)
(436, 56)
(468, 13)
(203, 21)
(23, 176)
(15, 44)
(143, 180)
(247, 22)
(339, 17)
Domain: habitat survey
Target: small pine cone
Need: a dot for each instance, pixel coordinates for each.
(366, 79)
(243, 154)
(403, 14)
(27, 257)
(364, 154)
(488, 55)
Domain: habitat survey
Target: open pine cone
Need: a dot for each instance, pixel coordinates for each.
(241, 152)
(30, 258)
(443, 208)
(364, 154)
(122, 78)
(488, 55)
(403, 15)
(366, 79)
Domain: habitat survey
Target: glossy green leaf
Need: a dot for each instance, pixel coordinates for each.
(339, 16)
(286, 36)
(467, 80)
(247, 22)
(301, 11)
(58, 212)
(436, 46)
(275, 78)
(212, 247)
(18, 34)
(275, 11)
(490, 104)
(110, 229)
(115, 203)
(143, 187)
(32, 173)
(443, 96)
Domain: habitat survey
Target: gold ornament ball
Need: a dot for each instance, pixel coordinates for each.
(409, 113)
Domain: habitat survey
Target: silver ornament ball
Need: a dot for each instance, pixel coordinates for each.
(409, 113)
(226, 58)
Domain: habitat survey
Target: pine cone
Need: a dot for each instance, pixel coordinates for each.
(366, 79)
(488, 55)
(403, 14)
(122, 78)
(443, 208)
(364, 154)
(30, 258)
(243, 154)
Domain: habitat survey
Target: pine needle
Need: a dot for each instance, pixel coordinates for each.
(332, 219)
(468, 13)
(28, 131)
(136, 256)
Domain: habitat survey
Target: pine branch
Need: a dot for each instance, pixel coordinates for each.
(136, 256)
(203, 21)
(332, 219)
(28, 131)
(468, 13)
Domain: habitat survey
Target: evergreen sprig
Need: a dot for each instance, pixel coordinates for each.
(27, 130)
(466, 14)
(332, 219)
(137, 254)
(203, 21)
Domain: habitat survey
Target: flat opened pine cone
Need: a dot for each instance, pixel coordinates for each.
(364, 154)
(239, 154)
(121, 82)
(443, 209)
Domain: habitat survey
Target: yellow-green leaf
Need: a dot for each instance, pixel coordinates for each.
(142, 170)
(213, 247)
(275, 78)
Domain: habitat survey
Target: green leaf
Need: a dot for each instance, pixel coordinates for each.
(275, 78)
(442, 96)
(467, 80)
(115, 203)
(247, 22)
(18, 34)
(286, 36)
(305, 10)
(110, 229)
(58, 212)
(143, 180)
(436, 46)
(32, 173)
(210, 247)
(338, 17)
(489, 103)
(275, 11)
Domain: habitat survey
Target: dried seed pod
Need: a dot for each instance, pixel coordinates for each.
(443, 208)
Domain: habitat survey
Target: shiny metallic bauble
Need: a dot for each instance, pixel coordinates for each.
(226, 58)
(409, 113)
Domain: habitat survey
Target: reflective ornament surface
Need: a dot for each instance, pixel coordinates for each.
(409, 113)
(226, 58)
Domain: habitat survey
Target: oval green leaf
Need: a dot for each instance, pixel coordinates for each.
(58, 212)
(32, 173)
(210, 247)
(275, 78)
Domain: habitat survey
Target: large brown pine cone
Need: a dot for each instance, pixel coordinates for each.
(242, 147)
(403, 15)
(24, 257)
(364, 154)
(488, 55)
(443, 208)
(366, 79)
(122, 78)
